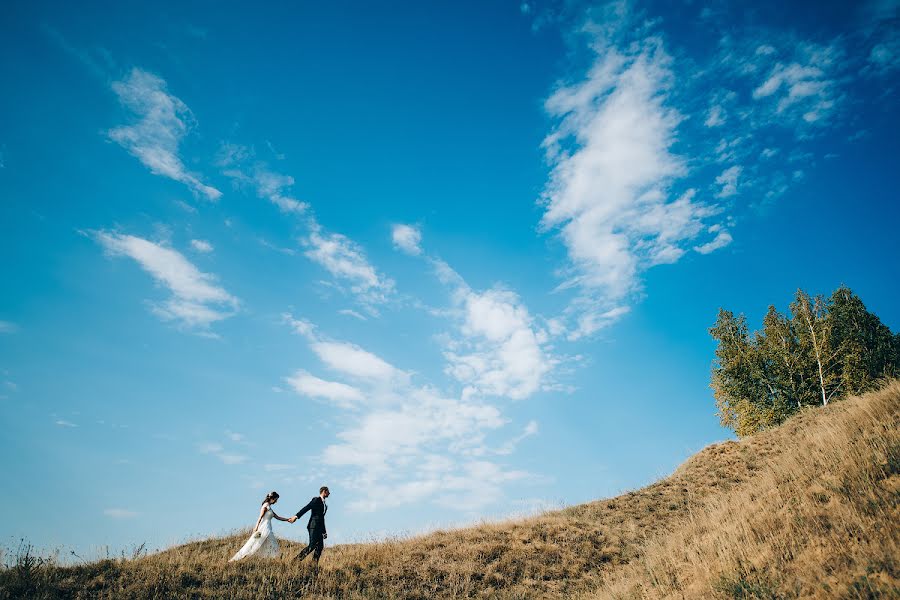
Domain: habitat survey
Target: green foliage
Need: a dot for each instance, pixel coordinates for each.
(822, 350)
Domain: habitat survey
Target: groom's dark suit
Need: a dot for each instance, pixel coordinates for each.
(316, 526)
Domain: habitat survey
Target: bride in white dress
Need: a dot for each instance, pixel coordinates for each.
(262, 541)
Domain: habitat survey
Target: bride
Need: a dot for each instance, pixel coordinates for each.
(262, 541)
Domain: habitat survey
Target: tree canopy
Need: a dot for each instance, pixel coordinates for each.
(823, 349)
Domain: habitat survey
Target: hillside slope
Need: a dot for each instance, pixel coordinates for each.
(809, 509)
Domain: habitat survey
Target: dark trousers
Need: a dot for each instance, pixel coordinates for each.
(316, 545)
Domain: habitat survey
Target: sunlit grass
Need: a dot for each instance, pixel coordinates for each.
(809, 509)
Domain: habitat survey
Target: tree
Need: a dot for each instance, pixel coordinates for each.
(781, 349)
(821, 351)
(814, 333)
(867, 350)
(748, 395)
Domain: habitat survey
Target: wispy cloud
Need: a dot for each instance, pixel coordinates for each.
(236, 437)
(419, 448)
(805, 86)
(64, 423)
(8, 327)
(96, 60)
(277, 467)
(202, 246)
(352, 313)
(344, 357)
(162, 121)
(610, 193)
(120, 513)
(497, 349)
(343, 258)
(407, 238)
(715, 117)
(240, 164)
(722, 239)
(728, 181)
(509, 447)
(217, 450)
(406, 443)
(353, 360)
(197, 300)
(347, 262)
(341, 394)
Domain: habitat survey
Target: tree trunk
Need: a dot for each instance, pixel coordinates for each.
(808, 317)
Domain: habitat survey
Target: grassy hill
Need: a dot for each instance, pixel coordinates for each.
(810, 509)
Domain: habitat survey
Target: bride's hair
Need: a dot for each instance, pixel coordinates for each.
(270, 496)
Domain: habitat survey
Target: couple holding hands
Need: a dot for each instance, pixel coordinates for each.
(262, 542)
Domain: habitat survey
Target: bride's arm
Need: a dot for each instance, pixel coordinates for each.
(275, 515)
(262, 511)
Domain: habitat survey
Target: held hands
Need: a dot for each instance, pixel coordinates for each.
(292, 519)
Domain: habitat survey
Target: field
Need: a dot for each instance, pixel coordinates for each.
(810, 509)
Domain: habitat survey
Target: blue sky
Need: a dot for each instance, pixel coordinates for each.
(454, 260)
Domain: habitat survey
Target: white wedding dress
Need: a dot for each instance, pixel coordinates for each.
(263, 545)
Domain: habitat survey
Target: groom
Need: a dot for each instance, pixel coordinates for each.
(316, 526)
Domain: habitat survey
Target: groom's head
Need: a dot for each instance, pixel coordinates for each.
(323, 491)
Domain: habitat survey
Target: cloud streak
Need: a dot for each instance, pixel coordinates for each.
(161, 122)
(346, 261)
(196, 299)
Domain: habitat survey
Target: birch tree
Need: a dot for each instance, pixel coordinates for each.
(814, 331)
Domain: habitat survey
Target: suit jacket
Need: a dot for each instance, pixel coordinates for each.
(317, 509)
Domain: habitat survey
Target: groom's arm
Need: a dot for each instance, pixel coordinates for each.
(306, 508)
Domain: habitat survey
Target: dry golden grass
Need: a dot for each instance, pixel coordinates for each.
(809, 509)
(821, 518)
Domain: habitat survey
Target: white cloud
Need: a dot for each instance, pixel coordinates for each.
(64, 423)
(407, 238)
(353, 360)
(609, 192)
(201, 246)
(722, 239)
(278, 467)
(418, 450)
(509, 447)
(300, 326)
(338, 254)
(346, 260)
(268, 184)
(885, 56)
(405, 443)
(219, 452)
(806, 86)
(236, 437)
(8, 327)
(352, 313)
(500, 350)
(729, 181)
(232, 459)
(120, 513)
(345, 357)
(162, 122)
(197, 301)
(343, 395)
(715, 117)
(273, 185)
